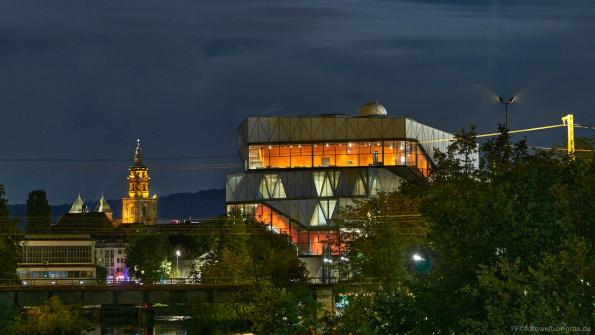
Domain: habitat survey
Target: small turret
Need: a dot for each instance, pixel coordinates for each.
(78, 206)
(104, 207)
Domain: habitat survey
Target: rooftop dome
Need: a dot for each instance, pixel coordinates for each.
(372, 109)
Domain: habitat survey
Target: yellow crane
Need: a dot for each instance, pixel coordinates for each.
(568, 121)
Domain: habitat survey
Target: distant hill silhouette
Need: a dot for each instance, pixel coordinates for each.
(201, 204)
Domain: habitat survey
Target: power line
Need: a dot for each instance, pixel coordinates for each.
(498, 133)
(106, 159)
(563, 149)
(585, 127)
(522, 130)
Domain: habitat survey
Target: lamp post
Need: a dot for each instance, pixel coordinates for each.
(506, 103)
(178, 254)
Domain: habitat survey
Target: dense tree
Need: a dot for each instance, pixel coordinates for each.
(518, 213)
(101, 273)
(52, 318)
(510, 244)
(7, 223)
(147, 256)
(8, 317)
(379, 232)
(4, 214)
(8, 242)
(192, 246)
(39, 212)
(275, 260)
(585, 146)
(230, 259)
(219, 318)
(277, 310)
(382, 234)
(248, 252)
(376, 311)
(554, 292)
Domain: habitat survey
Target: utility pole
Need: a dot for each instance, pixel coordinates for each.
(569, 123)
(506, 103)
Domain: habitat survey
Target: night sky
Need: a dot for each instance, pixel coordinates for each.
(81, 80)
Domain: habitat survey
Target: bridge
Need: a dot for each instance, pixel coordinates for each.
(171, 292)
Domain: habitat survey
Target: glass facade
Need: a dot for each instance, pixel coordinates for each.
(308, 242)
(344, 154)
(60, 254)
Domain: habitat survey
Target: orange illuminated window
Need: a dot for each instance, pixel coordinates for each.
(318, 239)
(304, 242)
(347, 154)
(315, 244)
(301, 155)
(422, 163)
(324, 154)
(280, 156)
(277, 221)
(343, 154)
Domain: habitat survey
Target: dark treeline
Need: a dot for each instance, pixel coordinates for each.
(201, 204)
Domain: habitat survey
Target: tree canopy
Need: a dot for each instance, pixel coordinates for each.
(510, 243)
(52, 318)
(247, 252)
(147, 256)
(39, 212)
(8, 242)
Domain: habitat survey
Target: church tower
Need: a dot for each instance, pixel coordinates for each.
(138, 207)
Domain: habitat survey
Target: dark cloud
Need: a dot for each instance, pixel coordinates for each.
(84, 79)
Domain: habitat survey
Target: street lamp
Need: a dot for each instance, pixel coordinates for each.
(178, 254)
(417, 258)
(506, 103)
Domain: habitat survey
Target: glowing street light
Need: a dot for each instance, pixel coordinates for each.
(506, 103)
(417, 258)
(178, 254)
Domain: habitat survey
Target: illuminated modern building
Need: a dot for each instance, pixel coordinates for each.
(299, 172)
(56, 259)
(138, 207)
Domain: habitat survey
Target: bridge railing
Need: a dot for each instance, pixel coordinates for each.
(24, 282)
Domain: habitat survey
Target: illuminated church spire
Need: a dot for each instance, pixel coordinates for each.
(138, 207)
(138, 176)
(138, 158)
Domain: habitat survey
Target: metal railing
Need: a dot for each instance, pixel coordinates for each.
(92, 282)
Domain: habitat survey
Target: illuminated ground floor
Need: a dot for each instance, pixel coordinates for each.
(308, 242)
(56, 274)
